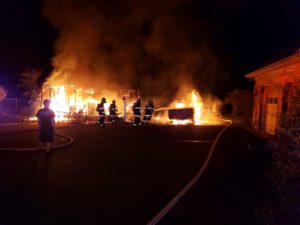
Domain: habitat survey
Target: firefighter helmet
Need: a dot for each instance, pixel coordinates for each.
(103, 100)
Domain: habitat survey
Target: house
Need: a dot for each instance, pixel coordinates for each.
(276, 107)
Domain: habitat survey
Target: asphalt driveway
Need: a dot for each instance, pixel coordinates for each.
(114, 175)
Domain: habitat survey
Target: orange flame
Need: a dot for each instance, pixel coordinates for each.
(194, 100)
(197, 104)
(66, 100)
(179, 105)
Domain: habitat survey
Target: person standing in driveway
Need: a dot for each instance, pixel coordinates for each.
(46, 123)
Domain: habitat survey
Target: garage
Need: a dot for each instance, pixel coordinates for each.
(272, 110)
(276, 107)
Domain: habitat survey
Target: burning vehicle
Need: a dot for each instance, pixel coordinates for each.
(179, 116)
(190, 111)
(182, 113)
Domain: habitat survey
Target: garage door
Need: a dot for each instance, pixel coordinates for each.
(271, 111)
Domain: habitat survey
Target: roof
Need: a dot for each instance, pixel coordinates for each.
(286, 63)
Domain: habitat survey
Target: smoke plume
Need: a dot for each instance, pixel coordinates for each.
(150, 45)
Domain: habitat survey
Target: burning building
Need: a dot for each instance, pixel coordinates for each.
(68, 101)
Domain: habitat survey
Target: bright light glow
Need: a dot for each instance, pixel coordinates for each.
(179, 105)
(34, 118)
(182, 122)
(197, 104)
(67, 101)
(59, 103)
(70, 102)
(190, 99)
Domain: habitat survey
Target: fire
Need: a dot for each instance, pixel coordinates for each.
(197, 104)
(67, 101)
(179, 105)
(182, 122)
(191, 100)
(59, 103)
(71, 103)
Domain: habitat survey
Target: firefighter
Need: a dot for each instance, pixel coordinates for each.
(149, 108)
(100, 109)
(113, 111)
(137, 112)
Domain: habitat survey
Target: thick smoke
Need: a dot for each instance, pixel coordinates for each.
(153, 46)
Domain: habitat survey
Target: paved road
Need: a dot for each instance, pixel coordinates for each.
(110, 175)
(233, 187)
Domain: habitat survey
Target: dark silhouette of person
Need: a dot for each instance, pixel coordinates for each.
(137, 112)
(46, 123)
(113, 111)
(101, 110)
(149, 108)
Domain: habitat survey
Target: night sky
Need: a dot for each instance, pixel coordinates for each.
(243, 34)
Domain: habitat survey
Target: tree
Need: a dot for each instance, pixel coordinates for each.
(3, 93)
(29, 82)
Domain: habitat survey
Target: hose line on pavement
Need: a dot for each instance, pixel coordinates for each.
(53, 147)
(178, 196)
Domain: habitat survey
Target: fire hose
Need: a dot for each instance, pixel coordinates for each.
(69, 142)
(178, 196)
